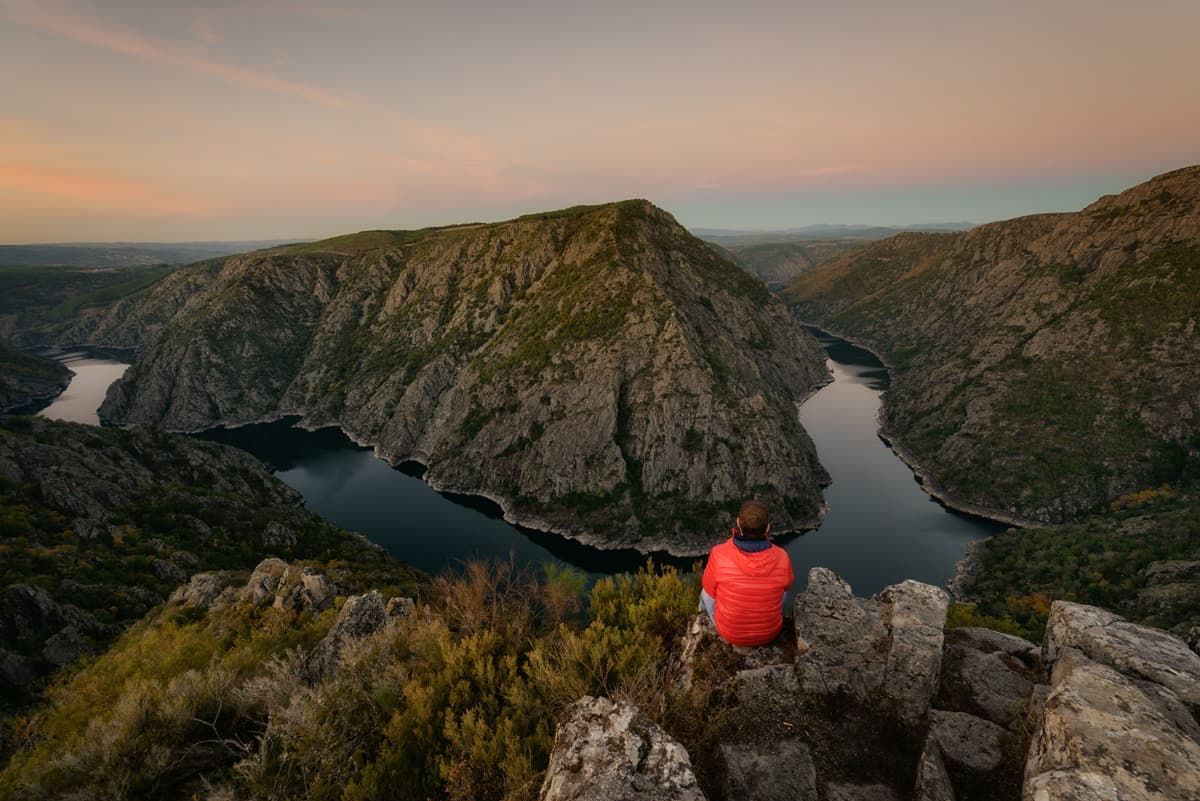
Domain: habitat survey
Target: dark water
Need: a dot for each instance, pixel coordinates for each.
(880, 527)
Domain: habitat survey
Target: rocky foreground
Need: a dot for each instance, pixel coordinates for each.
(880, 703)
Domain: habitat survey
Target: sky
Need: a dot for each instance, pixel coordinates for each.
(157, 120)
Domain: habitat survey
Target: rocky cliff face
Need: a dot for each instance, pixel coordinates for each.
(880, 703)
(1041, 366)
(598, 371)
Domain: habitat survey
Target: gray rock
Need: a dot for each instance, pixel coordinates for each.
(993, 685)
(166, 571)
(361, 616)
(859, 792)
(65, 647)
(767, 693)
(968, 741)
(401, 607)
(261, 586)
(915, 616)
(884, 653)
(1102, 737)
(933, 782)
(605, 751)
(989, 641)
(16, 670)
(1135, 650)
(1193, 638)
(839, 639)
(202, 591)
(780, 771)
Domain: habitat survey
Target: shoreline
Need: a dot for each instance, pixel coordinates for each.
(924, 478)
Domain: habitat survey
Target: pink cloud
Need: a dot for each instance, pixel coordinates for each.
(95, 34)
(105, 192)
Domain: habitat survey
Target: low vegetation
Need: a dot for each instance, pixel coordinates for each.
(458, 700)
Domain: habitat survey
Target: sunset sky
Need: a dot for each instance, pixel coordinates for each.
(162, 121)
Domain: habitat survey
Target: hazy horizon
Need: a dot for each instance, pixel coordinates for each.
(133, 121)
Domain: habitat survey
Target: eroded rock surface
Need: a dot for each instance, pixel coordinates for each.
(606, 751)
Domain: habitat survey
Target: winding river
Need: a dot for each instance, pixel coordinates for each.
(880, 528)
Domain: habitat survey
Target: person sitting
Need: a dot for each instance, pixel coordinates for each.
(746, 581)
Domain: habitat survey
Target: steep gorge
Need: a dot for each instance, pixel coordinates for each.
(1044, 366)
(597, 370)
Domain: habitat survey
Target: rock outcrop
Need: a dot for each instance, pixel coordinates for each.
(880, 702)
(595, 370)
(606, 751)
(1120, 718)
(1042, 366)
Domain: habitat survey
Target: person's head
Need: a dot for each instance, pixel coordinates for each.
(753, 521)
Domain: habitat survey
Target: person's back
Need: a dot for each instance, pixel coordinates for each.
(746, 580)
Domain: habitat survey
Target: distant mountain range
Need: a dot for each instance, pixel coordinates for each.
(121, 254)
(810, 233)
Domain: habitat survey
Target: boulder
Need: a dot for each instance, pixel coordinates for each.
(989, 641)
(839, 639)
(606, 751)
(885, 653)
(859, 792)
(1102, 737)
(401, 607)
(361, 616)
(277, 535)
(65, 647)
(1140, 651)
(260, 588)
(994, 686)
(933, 782)
(201, 592)
(968, 741)
(781, 771)
(15, 670)
(915, 616)
(168, 572)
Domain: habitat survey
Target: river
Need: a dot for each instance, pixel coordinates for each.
(880, 528)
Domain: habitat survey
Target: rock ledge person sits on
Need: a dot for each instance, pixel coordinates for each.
(746, 581)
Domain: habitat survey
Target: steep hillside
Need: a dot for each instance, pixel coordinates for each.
(97, 526)
(598, 370)
(1043, 366)
(26, 378)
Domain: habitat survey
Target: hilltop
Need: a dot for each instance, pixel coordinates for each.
(1043, 367)
(597, 370)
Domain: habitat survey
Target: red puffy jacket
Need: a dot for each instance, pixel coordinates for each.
(748, 588)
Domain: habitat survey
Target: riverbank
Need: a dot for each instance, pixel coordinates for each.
(923, 476)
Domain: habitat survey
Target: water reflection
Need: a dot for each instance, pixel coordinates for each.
(94, 372)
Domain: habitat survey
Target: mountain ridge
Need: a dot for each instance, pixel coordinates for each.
(1040, 363)
(591, 367)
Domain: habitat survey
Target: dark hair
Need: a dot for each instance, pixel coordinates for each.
(754, 519)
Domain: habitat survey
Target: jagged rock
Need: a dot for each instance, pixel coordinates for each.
(1103, 737)
(277, 535)
(933, 782)
(361, 616)
(839, 638)
(1136, 650)
(606, 751)
(202, 591)
(989, 641)
(915, 616)
(260, 588)
(15, 670)
(993, 686)
(971, 742)
(859, 792)
(768, 695)
(65, 647)
(780, 771)
(401, 607)
(884, 653)
(168, 572)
